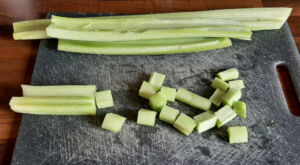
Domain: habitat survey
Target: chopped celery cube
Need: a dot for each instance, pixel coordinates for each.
(216, 97)
(224, 115)
(238, 134)
(157, 79)
(147, 90)
(238, 84)
(104, 99)
(146, 117)
(184, 95)
(200, 102)
(113, 122)
(228, 74)
(219, 84)
(185, 124)
(205, 121)
(239, 107)
(231, 96)
(168, 114)
(169, 93)
(157, 101)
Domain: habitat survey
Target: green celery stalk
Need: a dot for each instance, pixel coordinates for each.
(51, 100)
(31, 29)
(30, 35)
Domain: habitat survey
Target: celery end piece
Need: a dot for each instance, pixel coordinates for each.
(231, 96)
(200, 102)
(147, 90)
(184, 95)
(239, 107)
(228, 74)
(157, 79)
(237, 134)
(30, 35)
(205, 121)
(185, 124)
(31, 29)
(168, 93)
(238, 84)
(168, 114)
(216, 97)
(146, 117)
(219, 84)
(104, 99)
(157, 101)
(113, 122)
(224, 115)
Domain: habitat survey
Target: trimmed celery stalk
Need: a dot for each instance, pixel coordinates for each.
(185, 124)
(58, 90)
(113, 122)
(31, 29)
(231, 96)
(51, 100)
(216, 97)
(184, 95)
(168, 93)
(200, 102)
(157, 79)
(239, 107)
(147, 90)
(168, 114)
(205, 121)
(237, 134)
(228, 74)
(157, 101)
(238, 84)
(224, 115)
(144, 47)
(218, 83)
(146, 117)
(30, 35)
(104, 99)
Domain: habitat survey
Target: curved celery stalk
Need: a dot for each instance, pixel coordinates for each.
(31, 29)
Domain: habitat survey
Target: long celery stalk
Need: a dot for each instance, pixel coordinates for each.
(31, 29)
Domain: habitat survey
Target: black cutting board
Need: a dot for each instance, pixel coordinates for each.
(80, 139)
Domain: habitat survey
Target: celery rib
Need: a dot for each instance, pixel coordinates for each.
(31, 29)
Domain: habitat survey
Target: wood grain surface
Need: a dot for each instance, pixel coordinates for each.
(17, 58)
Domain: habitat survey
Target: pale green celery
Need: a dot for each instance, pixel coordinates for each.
(58, 90)
(144, 47)
(31, 29)
(228, 74)
(239, 107)
(216, 97)
(157, 79)
(231, 96)
(168, 93)
(157, 101)
(238, 84)
(146, 117)
(30, 35)
(185, 124)
(257, 25)
(113, 122)
(168, 114)
(237, 134)
(219, 84)
(104, 99)
(200, 102)
(205, 121)
(224, 115)
(51, 100)
(184, 95)
(147, 90)
(104, 35)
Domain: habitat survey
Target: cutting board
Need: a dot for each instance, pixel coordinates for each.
(274, 133)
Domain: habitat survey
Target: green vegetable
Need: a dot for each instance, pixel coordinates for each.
(239, 107)
(168, 93)
(31, 29)
(184, 95)
(218, 83)
(146, 117)
(147, 90)
(216, 97)
(157, 79)
(157, 101)
(185, 124)
(224, 115)
(200, 102)
(238, 134)
(228, 74)
(104, 99)
(168, 114)
(113, 122)
(238, 84)
(205, 121)
(51, 100)
(30, 35)
(231, 96)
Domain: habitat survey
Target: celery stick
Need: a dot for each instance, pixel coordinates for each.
(205, 121)
(238, 84)
(146, 117)
(184, 95)
(147, 90)
(224, 115)
(31, 29)
(239, 107)
(113, 122)
(237, 134)
(157, 79)
(104, 99)
(168, 114)
(185, 124)
(144, 47)
(228, 74)
(51, 100)
(200, 102)
(231, 96)
(30, 35)
(58, 90)
(216, 97)
(168, 93)
(218, 83)
(157, 101)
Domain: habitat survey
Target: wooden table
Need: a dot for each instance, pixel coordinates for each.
(17, 58)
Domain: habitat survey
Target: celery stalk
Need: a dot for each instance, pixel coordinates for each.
(31, 29)
(113, 122)
(51, 100)
(30, 35)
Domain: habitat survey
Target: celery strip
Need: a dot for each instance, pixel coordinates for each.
(30, 35)
(218, 83)
(104, 99)
(185, 124)
(51, 100)
(113, 122)
(157, 101)
(168, 114)
(184, 95)
(147, 90)
(157, 79)
(239, 107)
(146, 117)
(205, 121)
(200, 102)
(31, 29)
(224, 115)
(238, 84)
(168, 93)
(216, 97)
(231, 96)
(237, 134)
(228, 74)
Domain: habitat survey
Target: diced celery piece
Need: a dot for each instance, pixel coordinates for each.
(168, 114)
(205, 121)
(219, 84)
(216, 97)
(104, 99)
(239, 107)
(238, 84)
(231, 96)
(228, 74)
(146, 117)
(157, 101)
(184, 95)
(157, 79)
(238, 134)
(168, 93)
(113, 122)
(185, 124)
(224, 115)
(147, 90)
(200, 102)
